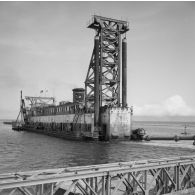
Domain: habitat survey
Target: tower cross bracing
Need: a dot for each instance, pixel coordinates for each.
(109, 33)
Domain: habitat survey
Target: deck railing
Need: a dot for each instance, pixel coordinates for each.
(154, 176)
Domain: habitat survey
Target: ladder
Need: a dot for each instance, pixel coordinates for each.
(78, 113)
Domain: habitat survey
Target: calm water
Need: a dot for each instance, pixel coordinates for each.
(27, 151)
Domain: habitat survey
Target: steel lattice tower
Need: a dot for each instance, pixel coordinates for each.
(108, 57)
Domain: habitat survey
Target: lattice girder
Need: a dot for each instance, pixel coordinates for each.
(109, 32)
(151, 177)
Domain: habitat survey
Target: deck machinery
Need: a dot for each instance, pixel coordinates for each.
(97, 111)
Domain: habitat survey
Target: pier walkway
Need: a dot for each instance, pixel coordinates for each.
(154, 176)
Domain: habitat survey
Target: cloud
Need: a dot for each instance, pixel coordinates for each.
(173, 106)
(177, 106)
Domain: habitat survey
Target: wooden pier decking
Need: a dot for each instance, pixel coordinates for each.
(154, 176)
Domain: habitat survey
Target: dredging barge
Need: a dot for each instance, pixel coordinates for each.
(96, 112)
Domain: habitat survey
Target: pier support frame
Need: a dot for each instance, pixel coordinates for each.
(146, 177)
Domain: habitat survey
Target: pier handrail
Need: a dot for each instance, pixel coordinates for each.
(176, 170)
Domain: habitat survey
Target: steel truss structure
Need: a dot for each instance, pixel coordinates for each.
(109, 32)
(146, 177)
(22, 113)
(40, 101)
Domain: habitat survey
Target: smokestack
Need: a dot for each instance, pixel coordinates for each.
(96, 84)
(124, 72)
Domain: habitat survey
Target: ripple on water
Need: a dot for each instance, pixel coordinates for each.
(30, 151)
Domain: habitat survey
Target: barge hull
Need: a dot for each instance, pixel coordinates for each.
(76, 135)
(115, 124)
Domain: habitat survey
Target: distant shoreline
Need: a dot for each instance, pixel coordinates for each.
(164, 118)
(148, 119)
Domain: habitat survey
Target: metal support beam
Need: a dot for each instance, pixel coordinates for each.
(124, 72)
(153, 176)
(97, 85)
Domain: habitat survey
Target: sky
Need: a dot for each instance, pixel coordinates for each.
(47, 46)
